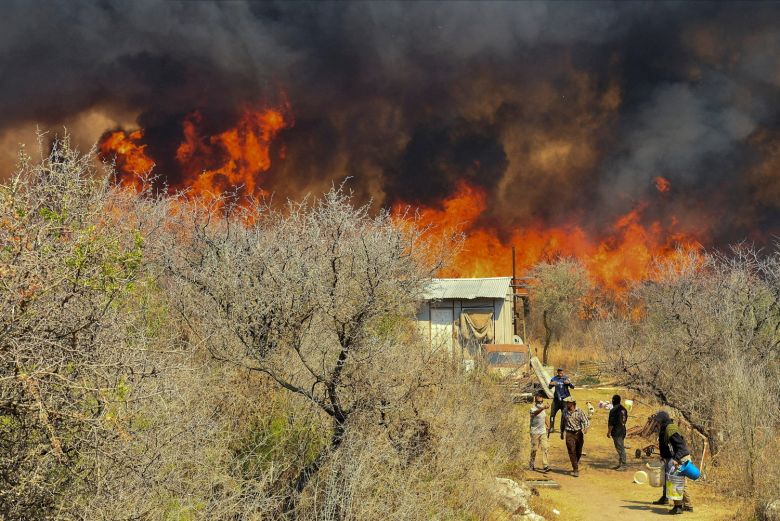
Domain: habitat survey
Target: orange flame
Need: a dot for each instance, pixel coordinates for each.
(625, 255)
(241, 155)
(662, 184)
(131, 159)
(235, 159)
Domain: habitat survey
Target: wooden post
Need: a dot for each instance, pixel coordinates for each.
(514, 297)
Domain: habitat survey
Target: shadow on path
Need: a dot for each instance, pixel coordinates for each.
(644, 506)
(560, 472)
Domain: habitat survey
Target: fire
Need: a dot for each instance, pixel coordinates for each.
(662, 184)
(239, 158)
(131, 159)
(624, 254)
(210, 165)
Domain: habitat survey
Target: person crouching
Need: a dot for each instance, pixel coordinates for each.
(575, 426)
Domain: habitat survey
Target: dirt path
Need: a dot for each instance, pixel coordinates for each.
(602, 494)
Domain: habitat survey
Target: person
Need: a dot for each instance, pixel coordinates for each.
(616, 429)
(575, 425)
(538, 430)
(674, 452)
(562, 385)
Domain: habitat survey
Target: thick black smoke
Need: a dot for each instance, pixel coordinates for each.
(563, 112)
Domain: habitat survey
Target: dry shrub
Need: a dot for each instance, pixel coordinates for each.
(440, 466)
(165, 359)
(749, 442)
(76, 355)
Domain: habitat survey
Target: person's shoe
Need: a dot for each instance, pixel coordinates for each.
(687, 508)
(575, 473)
(546, 470)
(617, 467)
(661, 501)
(531, 467)
(677, 509)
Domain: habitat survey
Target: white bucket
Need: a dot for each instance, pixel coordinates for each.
(654, 473)
(640, 477)
(675, 484)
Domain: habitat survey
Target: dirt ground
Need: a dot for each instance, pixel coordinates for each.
(602, 494)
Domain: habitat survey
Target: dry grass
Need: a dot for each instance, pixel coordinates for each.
(568, 356)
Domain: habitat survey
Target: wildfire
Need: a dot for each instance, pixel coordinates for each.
(624, 255)
(240, 157)
(209, 165)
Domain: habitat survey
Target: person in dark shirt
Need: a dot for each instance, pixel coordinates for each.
(562, 384)
(674, 452)
(616, 429)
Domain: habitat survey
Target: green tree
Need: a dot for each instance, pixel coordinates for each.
(557, 297)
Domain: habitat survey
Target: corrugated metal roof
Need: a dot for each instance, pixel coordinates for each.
(492, 287)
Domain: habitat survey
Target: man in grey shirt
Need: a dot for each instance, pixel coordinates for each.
(538, 430)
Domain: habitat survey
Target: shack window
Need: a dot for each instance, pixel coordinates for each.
(505, 358)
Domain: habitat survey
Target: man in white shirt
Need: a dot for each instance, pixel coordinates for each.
(538, 430)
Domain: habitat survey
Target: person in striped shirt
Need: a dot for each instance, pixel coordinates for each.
(575, 425)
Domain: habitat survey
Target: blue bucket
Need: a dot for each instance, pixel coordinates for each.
(689, 470)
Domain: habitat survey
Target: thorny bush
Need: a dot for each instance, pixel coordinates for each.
(71, 344)
(169, 358)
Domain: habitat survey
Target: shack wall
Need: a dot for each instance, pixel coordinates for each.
(502, 318)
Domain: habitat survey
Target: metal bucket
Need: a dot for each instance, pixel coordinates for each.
(675, 486)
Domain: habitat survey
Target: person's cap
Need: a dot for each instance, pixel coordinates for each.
(570, 399)
(559, 369)
(662, 417)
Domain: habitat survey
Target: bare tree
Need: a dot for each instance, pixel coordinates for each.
(557, 297)
(163, 358)
(312, 296)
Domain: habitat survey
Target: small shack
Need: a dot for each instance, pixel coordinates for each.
(461, 314)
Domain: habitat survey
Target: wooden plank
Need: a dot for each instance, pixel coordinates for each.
(542, 376)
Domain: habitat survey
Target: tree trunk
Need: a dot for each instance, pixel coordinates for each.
(547, 337)
(310, 470)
